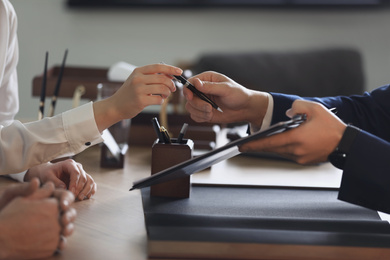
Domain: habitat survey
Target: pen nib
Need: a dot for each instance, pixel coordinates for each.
(220, 110)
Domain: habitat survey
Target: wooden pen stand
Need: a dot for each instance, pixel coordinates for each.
(165, 156)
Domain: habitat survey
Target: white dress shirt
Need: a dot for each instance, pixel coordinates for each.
(267, 117)
(26, 145)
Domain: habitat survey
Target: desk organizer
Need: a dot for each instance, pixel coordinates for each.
(167, 155)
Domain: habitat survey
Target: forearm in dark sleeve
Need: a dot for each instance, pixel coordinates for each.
(366, 175)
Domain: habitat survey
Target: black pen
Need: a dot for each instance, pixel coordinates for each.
(200, 94)
(57, 88)
(182, 133)
(43, 90)
(156, 127)
(299, 118)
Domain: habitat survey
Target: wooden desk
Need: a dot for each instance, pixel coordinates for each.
(110, 225)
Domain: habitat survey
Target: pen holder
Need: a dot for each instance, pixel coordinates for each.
(165, 156)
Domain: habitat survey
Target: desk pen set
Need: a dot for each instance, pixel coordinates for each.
(167, 152)
(163, 135)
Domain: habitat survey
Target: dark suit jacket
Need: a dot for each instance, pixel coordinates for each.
(366, 175)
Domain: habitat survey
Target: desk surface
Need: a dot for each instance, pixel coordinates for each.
(110, 225)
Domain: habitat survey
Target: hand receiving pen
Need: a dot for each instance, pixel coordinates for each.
(191, 87)
(200, 94)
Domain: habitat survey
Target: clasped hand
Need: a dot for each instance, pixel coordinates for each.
(34, 220)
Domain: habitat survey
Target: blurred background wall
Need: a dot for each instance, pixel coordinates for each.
(101, 37)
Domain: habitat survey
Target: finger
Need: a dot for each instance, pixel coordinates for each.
(207, 76)
(157, 89)
(210, 88)
(88, 187)
(62, 243)
(93, 190)
(302, 107)
(45, 191)
(22, 189)
(71, 169)
(66, 221)
(159, 68)
(68, 230)
(68, 216)
(198, 106)
(65, 198)
(163, 81)
(82, 180)
(153, 100)
(199, 115)
(159, 79)
(188, 94)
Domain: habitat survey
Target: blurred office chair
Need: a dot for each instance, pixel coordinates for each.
(320, 72)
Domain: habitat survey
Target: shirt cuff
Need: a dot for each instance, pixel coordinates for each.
(18, 176)
(267, 117)
(80, 128)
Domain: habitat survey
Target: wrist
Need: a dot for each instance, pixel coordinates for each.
(105, 114)
(257, 109)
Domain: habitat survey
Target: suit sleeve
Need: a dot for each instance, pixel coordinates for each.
(366, 174)
(370, 111)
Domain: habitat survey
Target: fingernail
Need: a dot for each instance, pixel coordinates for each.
(48, 185)
(179, 71)
(66, 203)
(81, 196)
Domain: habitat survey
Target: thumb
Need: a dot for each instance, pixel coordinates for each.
(22, 189)
(210, 88)
(44, 192)
(298, 107)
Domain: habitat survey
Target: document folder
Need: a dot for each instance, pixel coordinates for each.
(222, 153)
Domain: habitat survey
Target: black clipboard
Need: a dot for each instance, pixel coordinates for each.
(203, 161)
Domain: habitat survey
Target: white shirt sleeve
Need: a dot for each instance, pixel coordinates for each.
(25, 145)
(268, 116)
(9, 54)
(18, 176)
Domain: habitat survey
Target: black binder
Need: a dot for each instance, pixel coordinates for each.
(228, 222)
